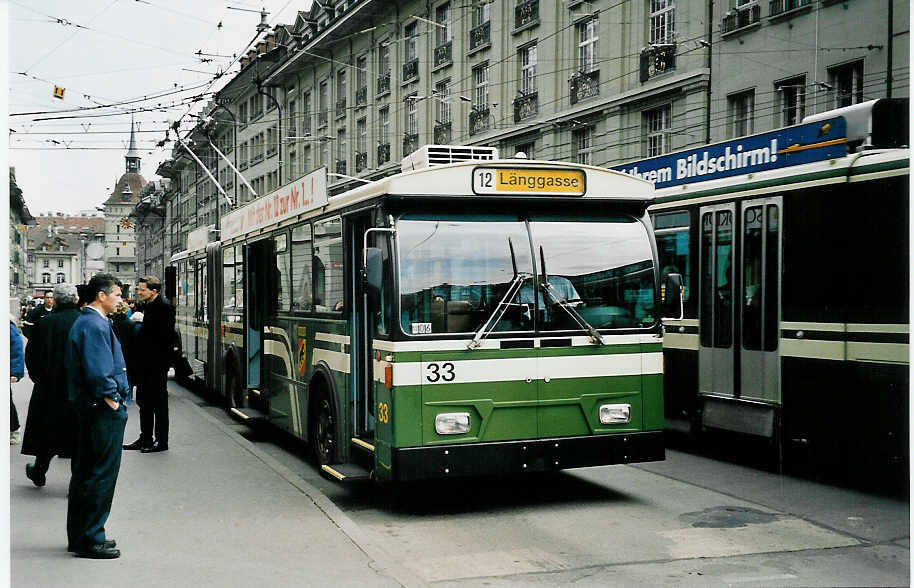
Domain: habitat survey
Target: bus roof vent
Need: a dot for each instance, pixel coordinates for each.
(876, 124)
(432, 155)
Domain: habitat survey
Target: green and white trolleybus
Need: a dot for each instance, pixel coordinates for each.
(467, 316)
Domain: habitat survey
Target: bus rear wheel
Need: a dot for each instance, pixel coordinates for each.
(322, 430)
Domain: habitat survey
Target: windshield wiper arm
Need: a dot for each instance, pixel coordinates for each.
(499, 311)
(563, 303)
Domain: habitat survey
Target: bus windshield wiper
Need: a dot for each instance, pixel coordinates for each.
(499, 311)
(563, 303)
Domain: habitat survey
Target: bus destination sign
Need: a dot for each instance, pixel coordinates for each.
(816, 141)
(306, 193)
(529, 181)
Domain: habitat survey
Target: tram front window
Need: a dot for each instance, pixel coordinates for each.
(453, 274)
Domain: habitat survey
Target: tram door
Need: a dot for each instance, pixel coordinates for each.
(716, 354)
(739, 316)
(760, 300)
(257, 263)
(361, 332)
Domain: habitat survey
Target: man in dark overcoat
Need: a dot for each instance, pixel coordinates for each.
(153, 346)
(34, 317)
(50, 427)
(97, 387)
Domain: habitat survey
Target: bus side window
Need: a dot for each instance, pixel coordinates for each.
(228, 277)
(672, 234)
(301, 269)
(281, 273)
(239, 276)
(328, 265)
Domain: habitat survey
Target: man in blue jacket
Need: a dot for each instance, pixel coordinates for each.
(97, 387)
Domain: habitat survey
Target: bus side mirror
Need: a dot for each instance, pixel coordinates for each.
(373, 271)
(672, 297)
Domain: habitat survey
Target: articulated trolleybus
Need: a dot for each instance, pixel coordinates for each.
(793, 246)
(467, 316)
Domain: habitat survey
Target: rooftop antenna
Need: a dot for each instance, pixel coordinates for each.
(263, 26)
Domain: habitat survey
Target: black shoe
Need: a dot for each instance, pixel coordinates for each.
(98, 552)
(138, 444)
(155, 448)
(108, 544)
(36, 478)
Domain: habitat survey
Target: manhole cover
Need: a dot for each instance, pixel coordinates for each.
(728, 517)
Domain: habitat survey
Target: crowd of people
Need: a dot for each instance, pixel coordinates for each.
(86, 351)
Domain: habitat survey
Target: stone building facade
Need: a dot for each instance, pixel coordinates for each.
(357, 85)
(120, 230)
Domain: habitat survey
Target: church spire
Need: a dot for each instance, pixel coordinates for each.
(133, 156)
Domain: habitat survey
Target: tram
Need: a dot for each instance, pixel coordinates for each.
(793, 247)
(468, 316)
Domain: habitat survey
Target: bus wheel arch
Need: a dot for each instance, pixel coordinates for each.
(323, 417)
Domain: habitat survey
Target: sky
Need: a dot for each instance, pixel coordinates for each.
(104, 52)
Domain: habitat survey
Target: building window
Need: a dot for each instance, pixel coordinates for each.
(323, 99)
(45, 263)
(412, 115)
(306, 115)
(481, 87)
(59, 263)
(443, 18)
(846, 84)
(663, 22)
(481, 14)
(361, 127)
(588, 33)
(740, 110)
(443, 102)
(341, 93)
(325, 152)
(61, 278)
(791, 98)
(292, 125)
(527, 149)
(527, 59)
(45, 278)
(342, 149)
(361, 81)
(410, 33)
(657, 130)
(582, 140)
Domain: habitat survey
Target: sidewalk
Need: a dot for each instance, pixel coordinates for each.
(211, 511)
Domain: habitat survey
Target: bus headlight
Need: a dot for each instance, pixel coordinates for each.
(614, 414)
(452, 423)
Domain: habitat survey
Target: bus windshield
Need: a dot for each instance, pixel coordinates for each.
(455, 271)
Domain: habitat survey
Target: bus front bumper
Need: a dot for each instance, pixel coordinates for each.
(531, 455)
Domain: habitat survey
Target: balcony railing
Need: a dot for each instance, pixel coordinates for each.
(361, 161)
(361, 96)
(525, 106)
(411, 69)
(584, 86)
(779, 7)
(443, 133)
(341, 108)
(741, 18)
(384, 83)
(322, 118)
(479, 36)
(257, 158)
(526, 12)
(479, 121)
(341, 166)
(656, 60)
(443, 54)
(383, 153)
(410, 143)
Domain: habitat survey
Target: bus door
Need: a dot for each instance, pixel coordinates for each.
(760, 300)
(716, 354)
(257, 266)
(361, 330)
(201, 323)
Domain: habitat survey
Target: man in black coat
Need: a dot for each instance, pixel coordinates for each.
(34, 317)
(50, 427)
(153, 348)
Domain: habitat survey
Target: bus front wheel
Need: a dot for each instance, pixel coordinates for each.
(322, 431)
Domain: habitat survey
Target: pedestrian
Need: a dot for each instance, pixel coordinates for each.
(97, 387)
(154, 342)
(17, 371)
(50, 426)
(37, 314)
(126, 331)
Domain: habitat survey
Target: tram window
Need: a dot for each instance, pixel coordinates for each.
(228, 277)
(723, 254)
(772, 275)
(201, 294)
(302, 295)
(383, 306)
(707, 272)
(239, 277)
(328, 265)
(752, 277)
(672, 235)
(190, 288)
(281, 277)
